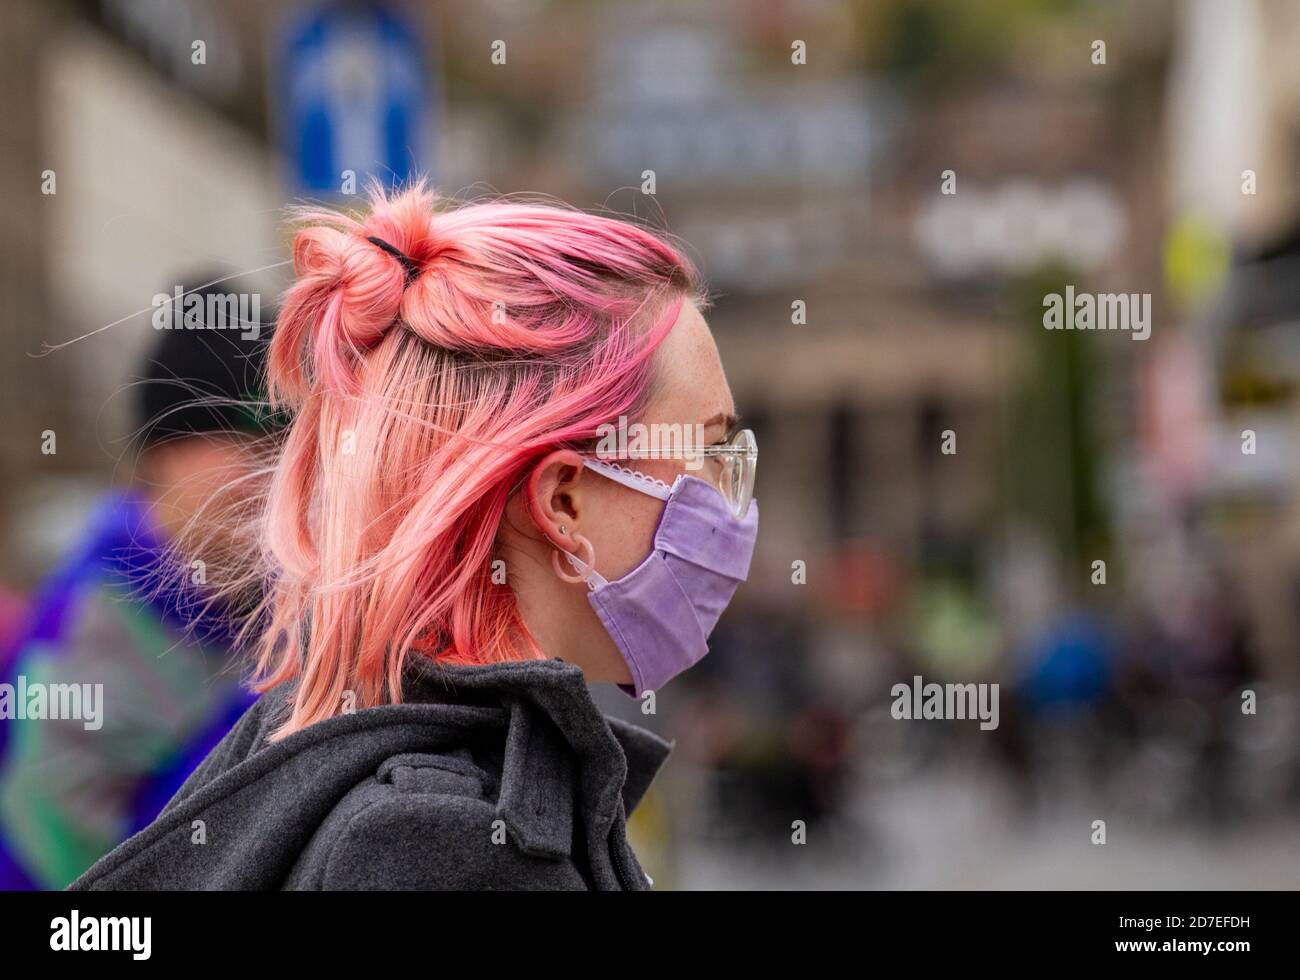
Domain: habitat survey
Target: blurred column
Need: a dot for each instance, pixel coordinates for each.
(29, 384)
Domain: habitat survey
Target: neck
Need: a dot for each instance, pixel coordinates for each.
(558, 629)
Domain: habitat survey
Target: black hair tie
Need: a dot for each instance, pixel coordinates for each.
(408, 263)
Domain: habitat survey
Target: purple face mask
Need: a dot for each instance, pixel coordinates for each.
(661, 613)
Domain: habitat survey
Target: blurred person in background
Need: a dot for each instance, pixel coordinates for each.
(118, 613)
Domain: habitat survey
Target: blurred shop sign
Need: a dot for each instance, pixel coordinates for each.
(787, 138)
(683, 105)
(1020, 224)
(351, 94)
(759, 251)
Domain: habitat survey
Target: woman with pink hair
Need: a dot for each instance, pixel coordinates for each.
(451, 552)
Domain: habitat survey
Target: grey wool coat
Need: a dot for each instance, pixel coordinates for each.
(503, 776)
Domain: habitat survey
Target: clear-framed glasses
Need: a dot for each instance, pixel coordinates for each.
(730, 465)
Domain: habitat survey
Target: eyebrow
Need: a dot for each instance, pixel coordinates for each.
(728, 419)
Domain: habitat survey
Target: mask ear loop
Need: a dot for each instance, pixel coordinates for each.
(586, 567)
(634, 479)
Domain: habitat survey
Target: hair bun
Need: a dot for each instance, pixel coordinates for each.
(502, 279)
(351, 292)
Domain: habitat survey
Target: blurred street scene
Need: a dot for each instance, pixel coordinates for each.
(1106, 527)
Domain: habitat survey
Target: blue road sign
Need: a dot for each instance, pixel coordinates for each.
(352, 92)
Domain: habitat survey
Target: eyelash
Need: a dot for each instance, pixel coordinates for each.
(730, 434)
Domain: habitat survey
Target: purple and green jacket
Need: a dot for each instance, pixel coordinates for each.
(69, 792)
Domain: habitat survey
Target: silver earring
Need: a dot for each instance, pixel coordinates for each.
(564, 529)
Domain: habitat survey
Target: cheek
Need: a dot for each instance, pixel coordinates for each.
(623, 531)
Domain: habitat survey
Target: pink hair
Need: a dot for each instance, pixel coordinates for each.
(418, 410)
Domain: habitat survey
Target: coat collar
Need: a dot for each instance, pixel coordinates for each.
(553, 724)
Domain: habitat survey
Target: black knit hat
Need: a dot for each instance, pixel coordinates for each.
(206, 372)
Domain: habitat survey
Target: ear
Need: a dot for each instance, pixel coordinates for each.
(553, 496)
